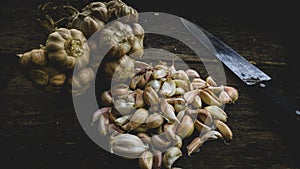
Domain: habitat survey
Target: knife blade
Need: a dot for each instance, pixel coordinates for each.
(247, 72)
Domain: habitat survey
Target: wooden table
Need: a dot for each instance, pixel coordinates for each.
(41, 130)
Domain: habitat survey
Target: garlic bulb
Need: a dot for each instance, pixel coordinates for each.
(97, 9)
(67, 47)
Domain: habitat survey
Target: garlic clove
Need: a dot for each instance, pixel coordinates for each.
(170, 156)
(216, 113)
(146, 160)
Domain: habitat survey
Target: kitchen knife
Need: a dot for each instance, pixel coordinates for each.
(247, 72)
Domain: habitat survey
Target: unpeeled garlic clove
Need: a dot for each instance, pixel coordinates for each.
(159, 142)
(106, 98)
(232, 92)
(192, 73)
(216, 113)
(177, 142)
(154, 120)
(184, 84)
(127, 145)
(139, 99)
(209, 98)
(145, 138)
(157, 159)
(211, 81)
(180, 74)
(197, 103)
(103, 124)
(123, 107)
(99, 112)
(122, 120)
(194, 146)
(159, 73)
(150, 96)
(136, 120)
(224, 130)
(186, 127)
(179, 91)
(168, 87)
(170, 156)
(202, 128)
(190, 95)
(134, 81)
(205, 116)
(168, 111)
(146, 160)
(119, 89)
(224, 97)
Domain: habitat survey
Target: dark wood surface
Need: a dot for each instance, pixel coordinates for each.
(41, 130)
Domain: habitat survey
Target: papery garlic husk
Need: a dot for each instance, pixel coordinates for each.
(124, 107)
(127, 145)
(160, 142)
(114, 129)
(224, 130)
(209, 98)
(186, 127)
(168, 111)
(170, 156)
(103, 124)
(145, 138)
(216, 113)
(35, 57)
(192, 73)
(99, 112)
(157, 159)
(137, 119)
(232, 92)
(146, 160)
(154, 120)
(106, 98)
(168, 88)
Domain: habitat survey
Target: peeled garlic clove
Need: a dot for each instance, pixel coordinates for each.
(186, 127)
(159, 142)
(232, 92)
(106, 99)
(197, 103)
(224, 130)
(168, 88)
(154, 120)
(146, 160)
(216, 113)
(202, 128)
(168, 111)
(211, 81)
(127, 145)
(170, 156)
(157, 159)
(192, 73)
(194, 146)
(136, 120)
(209, 98)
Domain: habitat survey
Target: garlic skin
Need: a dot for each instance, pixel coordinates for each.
(67, 47)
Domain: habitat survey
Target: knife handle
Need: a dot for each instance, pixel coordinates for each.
(290, 110)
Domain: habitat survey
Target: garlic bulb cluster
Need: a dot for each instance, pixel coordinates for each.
(158, 108)
(53, 66)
